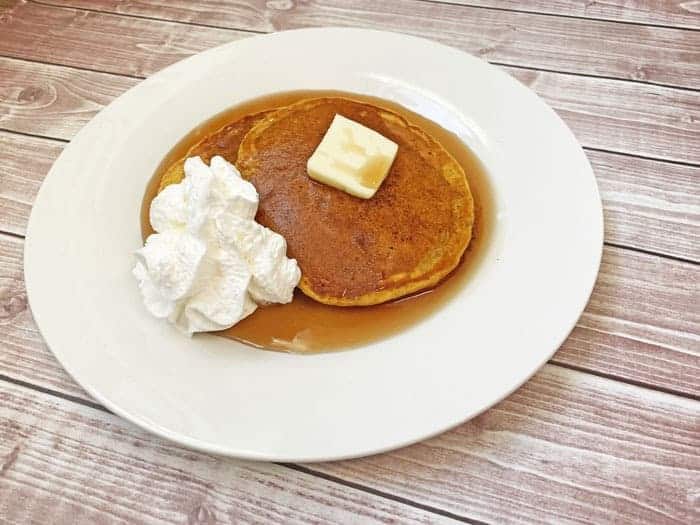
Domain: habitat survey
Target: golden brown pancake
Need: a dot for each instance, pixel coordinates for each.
(223, 142)
(351, 251)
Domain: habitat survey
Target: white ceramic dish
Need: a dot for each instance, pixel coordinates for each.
(212, 394)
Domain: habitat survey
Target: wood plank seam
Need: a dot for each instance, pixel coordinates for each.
(589, 75)
(69, 66)
(585, 148)
(638, 156)
(65, 464)
(512, 409)
(492, 62)
(558, 362)
(588, 147)
(144, 17)
(649, 252)
(606, 243)
(614, 377)
(257, 32)
(381, 493)
(55, 393)
(459, 457)
(291, 466)
(13, 234)
(559, 15)
(628, 126)
(552, 362)
(33, 135)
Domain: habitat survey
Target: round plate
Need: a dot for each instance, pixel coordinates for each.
(218, 396)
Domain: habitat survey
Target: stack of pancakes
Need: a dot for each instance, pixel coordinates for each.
(351, 251)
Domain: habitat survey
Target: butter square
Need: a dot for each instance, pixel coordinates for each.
(352, 158)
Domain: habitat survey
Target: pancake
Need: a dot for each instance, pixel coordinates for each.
(223, 142)
(355, 252)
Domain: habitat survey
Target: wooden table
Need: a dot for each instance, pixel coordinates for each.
(608, 431)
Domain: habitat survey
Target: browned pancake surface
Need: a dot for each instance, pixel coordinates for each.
(351, 251)
(223, 142)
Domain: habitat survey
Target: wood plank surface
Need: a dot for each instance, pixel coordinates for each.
(73, 464)
(641, 324)
(25, 162)
(677, 13)
(608, 432)
(626, 117)
(103, 42)
(648, 205)
(53, 101)
(637, 325)
(566, 448)
(628, 51)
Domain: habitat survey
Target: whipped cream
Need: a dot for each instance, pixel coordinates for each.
(209, 264)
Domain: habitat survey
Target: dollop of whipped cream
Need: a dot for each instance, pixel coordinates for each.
(209, 264)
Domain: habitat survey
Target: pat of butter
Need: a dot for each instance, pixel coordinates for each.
(352, 158)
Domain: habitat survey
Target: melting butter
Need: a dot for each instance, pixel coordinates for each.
(352, 158)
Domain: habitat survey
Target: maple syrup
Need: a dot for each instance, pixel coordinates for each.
(307, 326)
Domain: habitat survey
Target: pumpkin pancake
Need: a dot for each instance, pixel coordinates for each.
(223, 142)
(351, 251)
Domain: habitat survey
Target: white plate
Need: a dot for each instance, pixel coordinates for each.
(215, 395)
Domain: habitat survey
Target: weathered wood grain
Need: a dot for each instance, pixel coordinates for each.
(565, 448)
(640, 325)
(103, 42)
(622, 116)
(642, 316)
(625, 117)
(651, 54)
(624, 298)
(648, 205)
(655, 204)
(63, 463)
(53, 101)
(568, 447)
(24, 163)
(677, 13)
